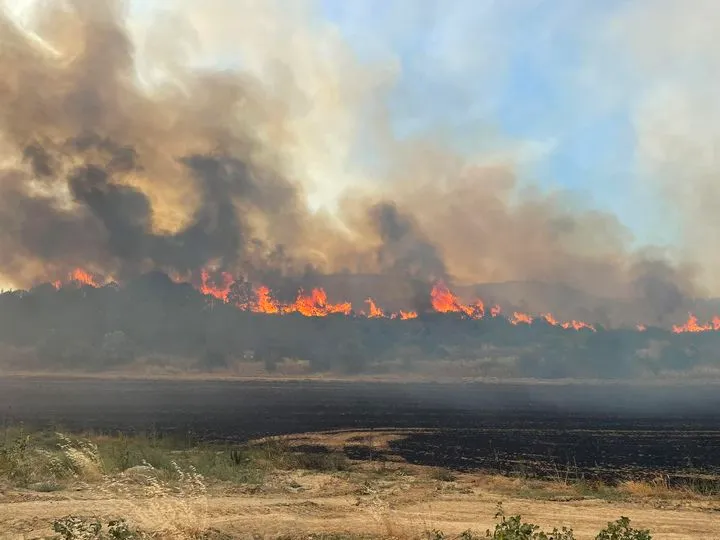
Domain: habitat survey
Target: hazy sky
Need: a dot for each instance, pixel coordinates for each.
(615, 99)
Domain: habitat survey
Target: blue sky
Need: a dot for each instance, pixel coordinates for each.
(524, 89)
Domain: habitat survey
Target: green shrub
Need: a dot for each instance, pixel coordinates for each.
(621, 530)
(78, 528)
(513, 528)
(15, 459)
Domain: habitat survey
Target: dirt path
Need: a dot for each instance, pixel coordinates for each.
(396, 513)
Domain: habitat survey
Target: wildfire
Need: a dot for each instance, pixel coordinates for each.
(640, 327)
(219, 285)
(264, 302)
(520, 318)
(693, 326)
(577, 325)
(316, 305)
(209, 287)
(375, 311)
(82, 277)
(78, 277)
(444, 301)
(570, 325)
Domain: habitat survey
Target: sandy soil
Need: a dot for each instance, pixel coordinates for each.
(384, 501)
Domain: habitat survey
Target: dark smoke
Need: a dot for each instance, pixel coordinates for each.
(104, 173)
(405, 250)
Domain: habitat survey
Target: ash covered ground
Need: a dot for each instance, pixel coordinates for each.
(577, 431)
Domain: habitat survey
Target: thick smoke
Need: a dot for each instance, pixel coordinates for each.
(120, 176)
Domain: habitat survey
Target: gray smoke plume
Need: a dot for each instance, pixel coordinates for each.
(104, 172)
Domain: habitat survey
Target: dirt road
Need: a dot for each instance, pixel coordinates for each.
(385, 507)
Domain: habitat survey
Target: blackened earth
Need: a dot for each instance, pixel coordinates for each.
(565, 431)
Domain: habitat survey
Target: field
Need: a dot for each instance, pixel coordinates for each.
(605, 432)
(414, 457)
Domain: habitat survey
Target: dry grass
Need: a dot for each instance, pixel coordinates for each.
(174, 489)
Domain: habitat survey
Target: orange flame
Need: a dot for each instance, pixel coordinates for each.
(693, 326)
(518, 318)
(444, 301)
(264, 302)
(375, 311)
(82, 277)
(316, 305)
(577, 325)
(209, 287)
(574, 325)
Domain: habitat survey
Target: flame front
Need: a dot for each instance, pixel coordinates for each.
(79, 277)
(83, 278)
(577, 325)
(520, 318)
(375, 311)
(209, 287)
(444, 301)
(264, 302)
(693, 326)
(316, 305)
(219, 285)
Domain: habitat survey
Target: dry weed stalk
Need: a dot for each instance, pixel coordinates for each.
(172, 508)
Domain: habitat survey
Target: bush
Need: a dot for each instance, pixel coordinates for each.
(15, 459)
(78, 528)
(514, 528)
(621, 530)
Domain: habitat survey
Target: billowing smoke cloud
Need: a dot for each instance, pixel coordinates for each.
(205, 167)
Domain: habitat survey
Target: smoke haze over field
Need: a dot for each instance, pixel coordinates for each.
(122, 153)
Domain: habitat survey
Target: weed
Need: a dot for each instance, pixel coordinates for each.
(514, 528)
(78, 528)
(444, 475)
(15, 462)
(621, 530)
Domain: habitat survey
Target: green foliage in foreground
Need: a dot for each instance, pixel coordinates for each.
(514, 528)
(77, 528)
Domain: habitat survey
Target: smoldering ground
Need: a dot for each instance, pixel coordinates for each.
(197, 167)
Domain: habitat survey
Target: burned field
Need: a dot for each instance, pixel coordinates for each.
(618, 451)
(566, 432)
